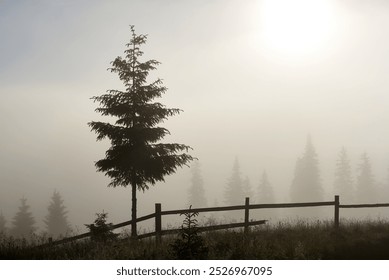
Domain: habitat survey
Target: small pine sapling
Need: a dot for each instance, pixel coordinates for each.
(190, 245)
(100, 230)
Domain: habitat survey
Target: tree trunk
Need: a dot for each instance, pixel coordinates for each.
(133, 212)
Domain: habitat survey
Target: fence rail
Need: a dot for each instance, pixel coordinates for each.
(204, 228)
(364, 205)
(157, 216)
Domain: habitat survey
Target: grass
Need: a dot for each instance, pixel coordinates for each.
(301, 240)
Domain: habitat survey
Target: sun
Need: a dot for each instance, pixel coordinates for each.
(296, 26)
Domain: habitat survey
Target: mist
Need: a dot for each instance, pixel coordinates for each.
(241, 98)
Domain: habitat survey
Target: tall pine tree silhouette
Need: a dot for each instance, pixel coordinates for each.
(23, 222)
(343, 183)
(234, 193)
(56, 220)
(196, 190)
(365, 184)
(136, 157)
(306, 185)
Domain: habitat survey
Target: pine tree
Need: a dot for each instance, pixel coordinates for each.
(23, 222)
(191, 245)
(306, 184)
(56, 220)
(265, 190)
(365, 185)
(100, 230)
(3, 222)
(265, 195)
(234, 193)
(136, 158)
(196, 190)
(343, 184)
(246, 186)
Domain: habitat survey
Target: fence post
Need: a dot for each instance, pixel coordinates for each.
(246, 215)
(158, 223)
(336, 218)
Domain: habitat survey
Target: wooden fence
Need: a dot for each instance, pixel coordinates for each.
(159, 232)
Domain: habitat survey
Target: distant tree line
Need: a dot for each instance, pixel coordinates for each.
(23, 223)
(306, 183)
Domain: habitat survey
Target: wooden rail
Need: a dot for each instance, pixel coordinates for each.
(159, 232)
(88, 234)
(365, 205)
(203, 228)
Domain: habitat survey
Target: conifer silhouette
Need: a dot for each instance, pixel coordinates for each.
(365, 184)
(23, 222)
(265, 192)
(101, 231)
(136, 157)
(196, 190)
(343, 184)
(306, 185)
(56, 220)
(234, 193)
(265, 195)
(246, 187)
(3, 222)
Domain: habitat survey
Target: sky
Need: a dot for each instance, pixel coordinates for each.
(253, 78)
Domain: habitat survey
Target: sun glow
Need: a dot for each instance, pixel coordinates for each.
(296, 26)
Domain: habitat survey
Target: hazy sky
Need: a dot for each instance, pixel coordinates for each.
(253, 77)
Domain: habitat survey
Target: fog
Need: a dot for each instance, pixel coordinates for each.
(244, 95)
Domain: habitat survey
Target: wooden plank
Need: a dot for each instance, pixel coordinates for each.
(291, 205)
(205, 228)
(252, 206)
(144, 218)
(145, 235)
(364, 205)
(233, 225)
(208, 209)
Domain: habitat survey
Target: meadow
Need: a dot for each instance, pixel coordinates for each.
(301, 240)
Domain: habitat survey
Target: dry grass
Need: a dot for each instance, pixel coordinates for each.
(301, 240)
